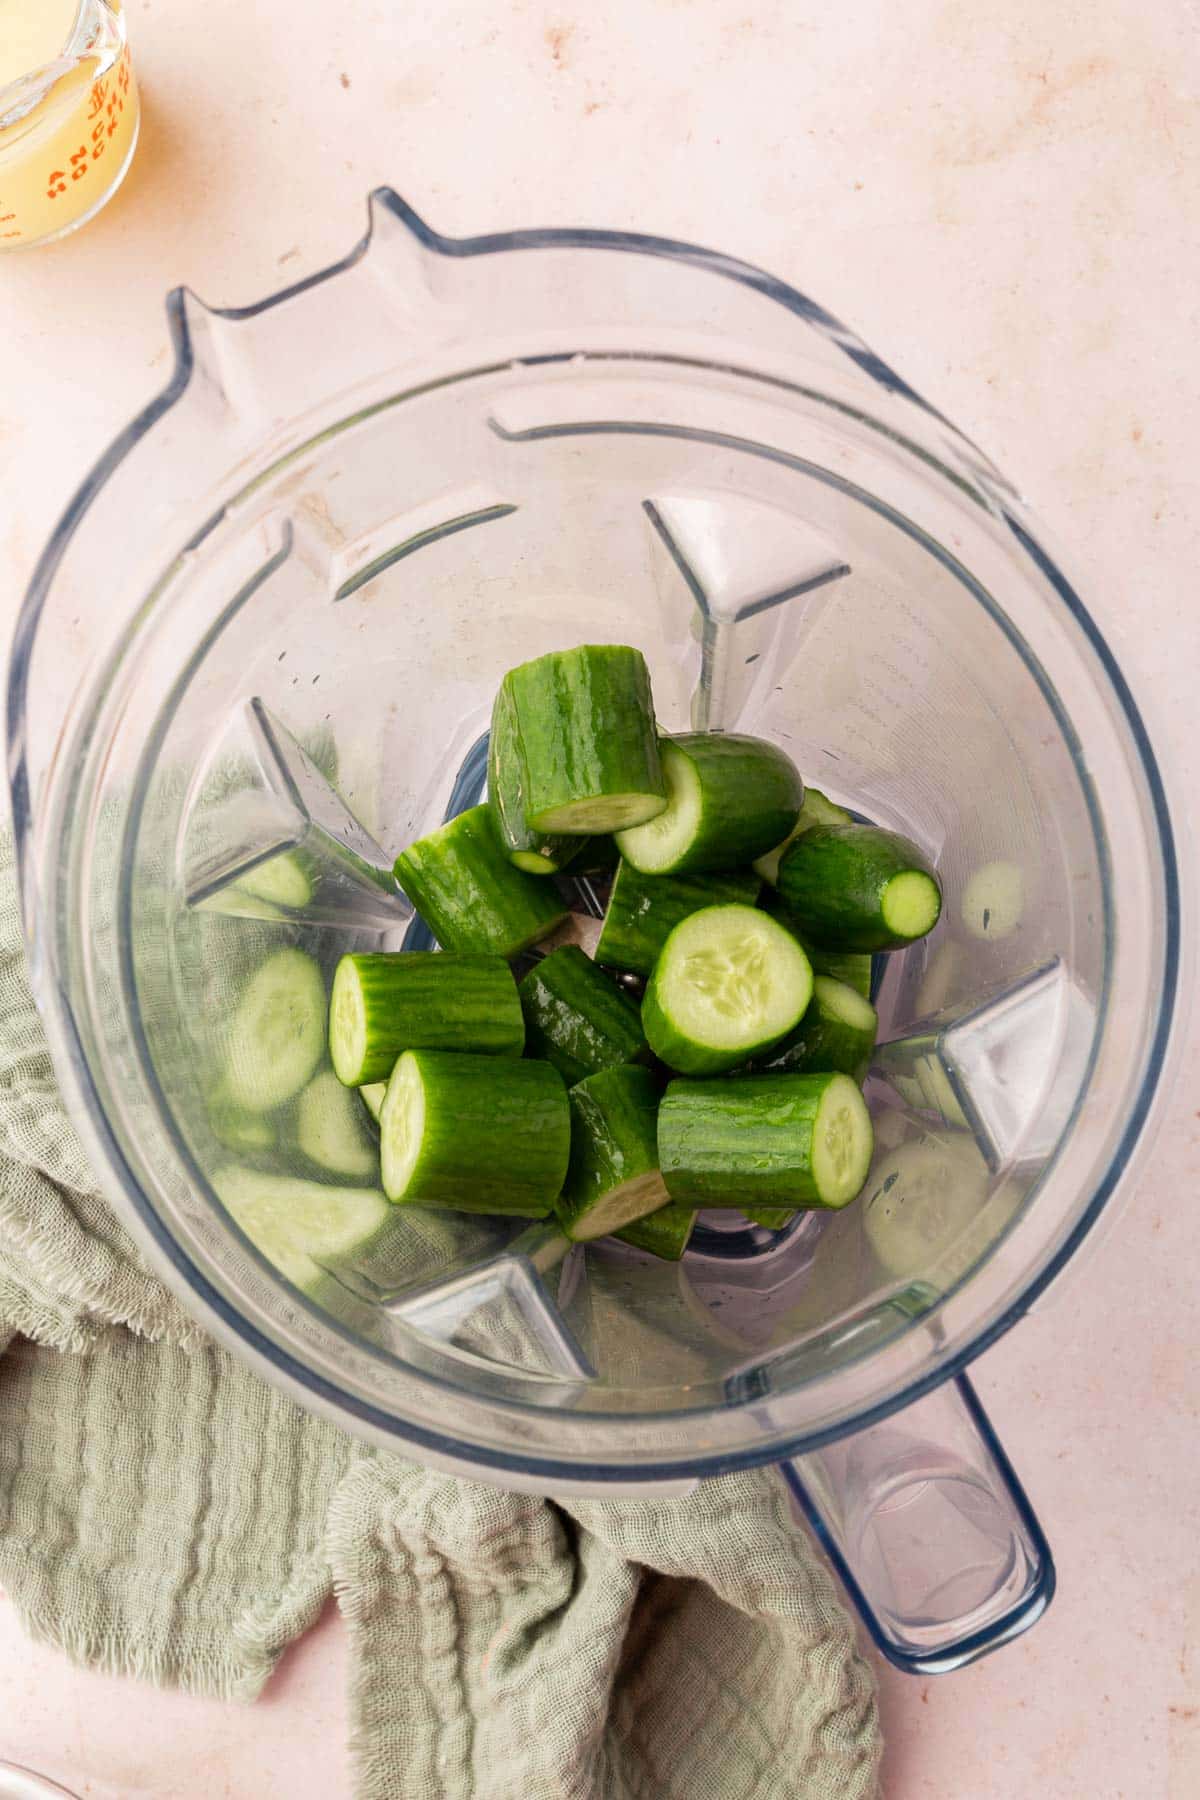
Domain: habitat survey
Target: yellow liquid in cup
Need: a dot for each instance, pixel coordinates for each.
(65, 140)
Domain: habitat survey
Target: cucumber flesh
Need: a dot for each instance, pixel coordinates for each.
(854, 887)
(577, 1018)
(282, 880)
(534, 852)
(246, 1132)
(729, 984)
(921, 1199)
(765, 1140)
(384, 1003)
(728, 799)
(462, 883)
(372, 1094)
(613, 1176)
(277, 1034)
(475, 1133)
(664, 1233)
(836, 1033)
(643, 911)
(993, 901)
(818, 809)
(330, 1129)
(588, 745)
(297, 1224)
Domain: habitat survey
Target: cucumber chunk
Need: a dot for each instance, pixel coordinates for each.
(372, 1094)
(330, 1129)
(643, 911)
(298, 1225)
(818, 809)
(664, 1233)
(729, 984)
(382, 1004)
(773, 1218)
(612, 1177)
(588, 745)
(766, 1140)
(469, 894)
(577, 1018)
(475, 1133)
(277, 1034)
(836, 1033)
(729, 798)
(854, 887)
(854, 967)
(536, 852)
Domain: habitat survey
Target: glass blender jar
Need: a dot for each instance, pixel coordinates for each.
(301, 572)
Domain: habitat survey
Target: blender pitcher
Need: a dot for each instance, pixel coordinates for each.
(303, 569)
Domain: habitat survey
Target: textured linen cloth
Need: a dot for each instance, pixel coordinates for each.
(165, 1514)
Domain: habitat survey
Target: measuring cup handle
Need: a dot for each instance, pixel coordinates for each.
(930, 1531)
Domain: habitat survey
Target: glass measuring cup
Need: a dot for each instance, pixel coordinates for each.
(350, 510)
(69, 115)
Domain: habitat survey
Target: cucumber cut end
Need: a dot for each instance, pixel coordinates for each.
(843, 1143)
(402, 1127)
(374, 1093)
(911, 904)
(347, 1024)
(632, 1200)
(533, 862)
(656, 846)
(733, 978)
(606, 812)
(838, 1000)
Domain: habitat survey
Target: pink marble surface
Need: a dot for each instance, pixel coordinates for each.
(1003, 199)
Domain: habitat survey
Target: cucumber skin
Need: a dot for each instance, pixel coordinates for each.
(832, 878)
(821, 1044)
(643, 911)
(745, 1142)
(506, 783)
(462, 883)
(818, 809)
(664, 1233)
(432, 1000)
(585, 719)
(577, 1018)
(497, 1135)
(772, 1218)
(854, 967)
(614, 1139)
(751, 795)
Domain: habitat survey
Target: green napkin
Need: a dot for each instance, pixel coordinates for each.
(165, 1514)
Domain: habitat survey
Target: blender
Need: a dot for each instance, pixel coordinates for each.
(266, 636)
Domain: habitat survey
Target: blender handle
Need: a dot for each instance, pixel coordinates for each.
(929, 1530)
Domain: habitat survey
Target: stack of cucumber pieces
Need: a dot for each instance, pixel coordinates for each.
(745, 910)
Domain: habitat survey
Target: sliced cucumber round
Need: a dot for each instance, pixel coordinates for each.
(854, 887)
(765, 1140)
(921, 1199)
(993, 901)
(298, 1225)
(475, 1133)
(728, 799)
(729, 984)
(277, 1035)
(330, 1129)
